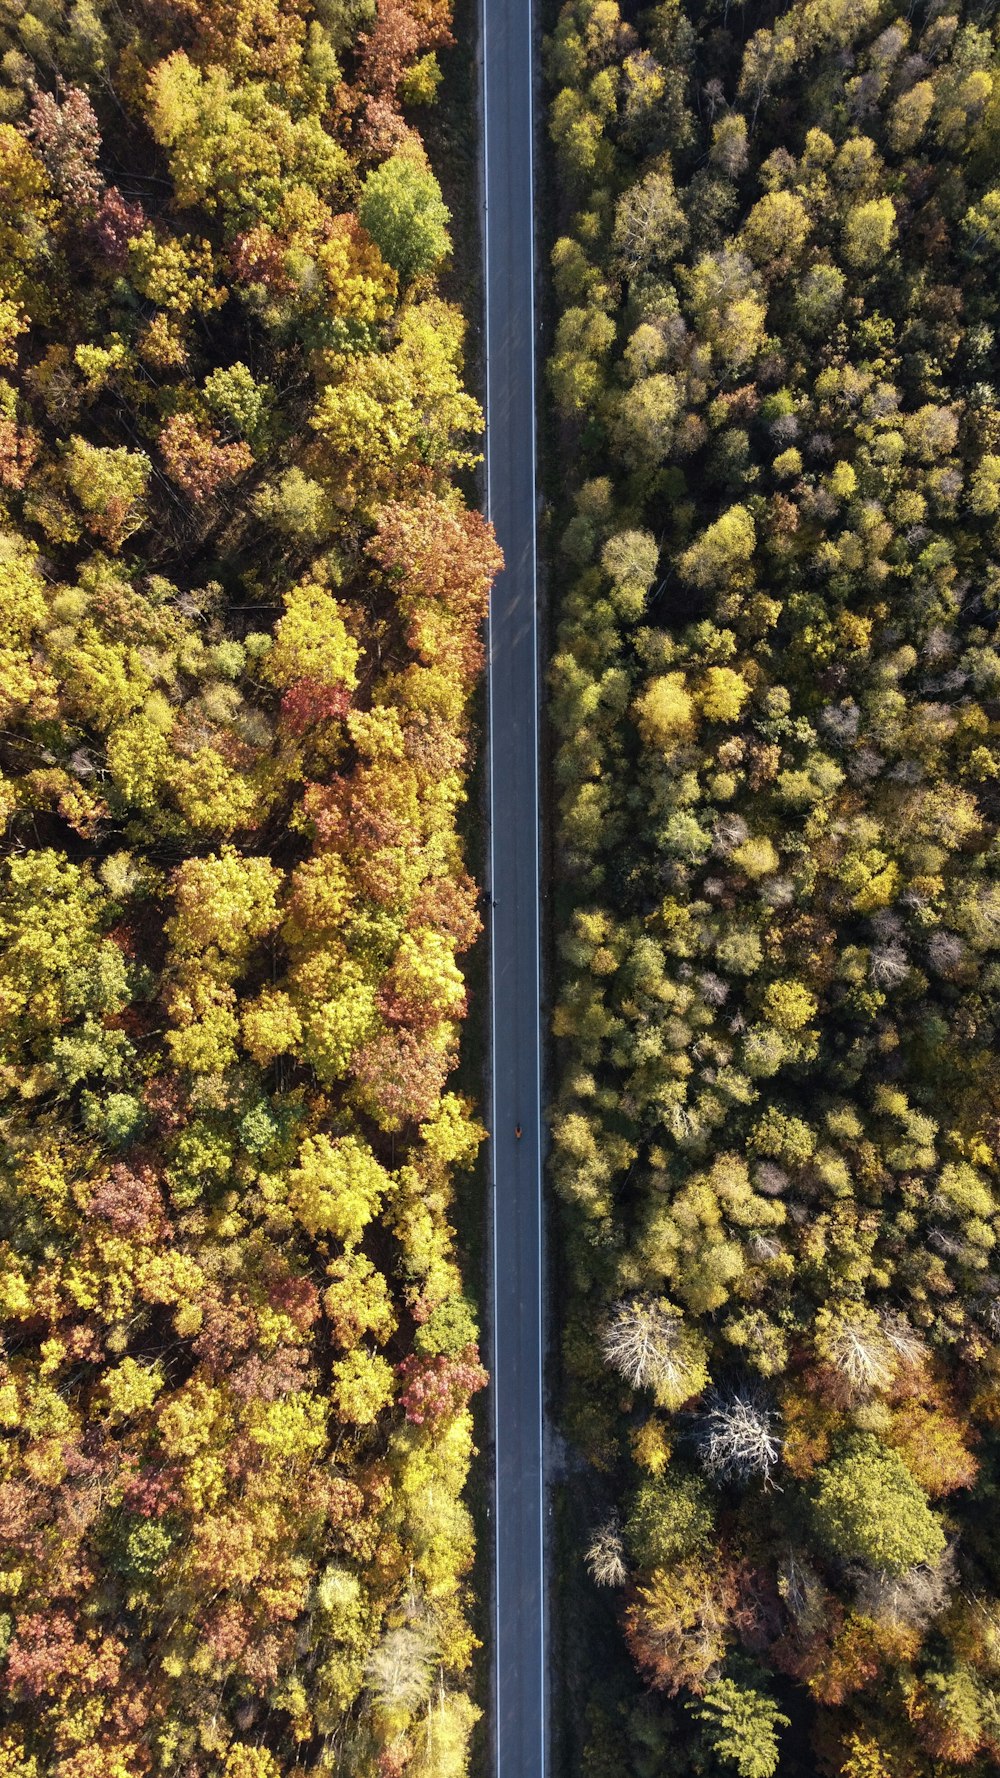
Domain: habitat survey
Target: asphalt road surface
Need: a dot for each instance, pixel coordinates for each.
(517, 1331)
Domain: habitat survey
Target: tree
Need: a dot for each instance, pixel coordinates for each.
(361, 1386)
(314, 653)
(337, 1187)
(737, 1438)
(722, 552)
(357, 1301)
(729, 150)
(442, 1738)
(723, 694)
(642, 420)
(650, 226)
(439, 1387)
(671, 1516)
(224, 906)
(577, 129)
(231, 148)
(677, 1627)
(110, 487)
(647, 1342)
(666, 711)
(868, 232)
(298, 508)
(66, 133)
(56, 966)
(818, 298)
(740, 1726)
(981, 226)
(392, 416)
(866, 1506)
(26, 209)
(250, 36)
(777, 228)
(442, 562)
(583, 338)
(727, 307)
(239, 401)
(402, 208)
(756, 857)
(910, 116)
(605, 1556)
(947, 1710)
(196, 459)
(398, 34)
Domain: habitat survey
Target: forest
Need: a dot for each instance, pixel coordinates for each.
(241, 591)
(775, 456)
(243, 579)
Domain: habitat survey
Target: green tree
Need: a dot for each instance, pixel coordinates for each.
(670, 1516)
(740, 1727)
(402, 208)
(866, 1506)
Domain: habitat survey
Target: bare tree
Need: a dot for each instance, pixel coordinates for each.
(803, 1592)
(907, 1345)
(730, 831)
(939, 644)
(400, 1669)
(912, 1598)
(865, 764)
(736, 1437)
(857, 1348)
(945, 951)
(764, 1248)
(867, 1349)
(714, 991)
(947, 1243)
(841, 722)
(888, 965)
(606, 1554)
(887, 925)
(770, 1179)
(987, 1307)
(683, 1124)
(778, 892)
(647, 1342)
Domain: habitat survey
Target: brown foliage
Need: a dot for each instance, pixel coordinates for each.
(196, 460)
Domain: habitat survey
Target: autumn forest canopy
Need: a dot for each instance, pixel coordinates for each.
(243, 577)
(776, 694)
(240, 606)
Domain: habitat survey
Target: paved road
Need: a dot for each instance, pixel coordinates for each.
(517, 1333)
